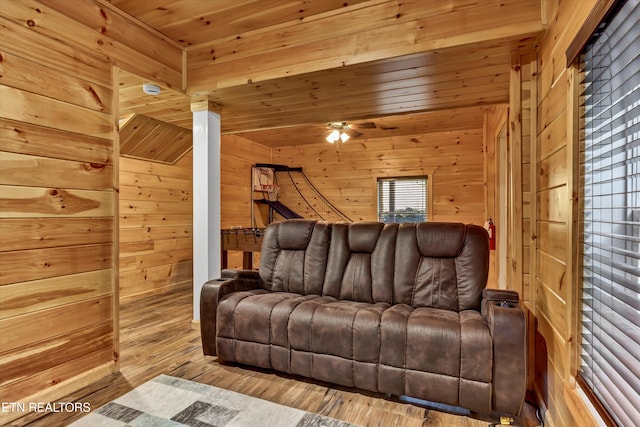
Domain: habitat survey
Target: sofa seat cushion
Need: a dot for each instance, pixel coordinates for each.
(437, 355)
(337, 341)
(341, 328)
(252, 327)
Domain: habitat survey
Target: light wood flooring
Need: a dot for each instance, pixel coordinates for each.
(157, 338)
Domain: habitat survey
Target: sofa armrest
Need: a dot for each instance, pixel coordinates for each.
(212, 292)
(239, 274)
(500, 295)
(507, 325)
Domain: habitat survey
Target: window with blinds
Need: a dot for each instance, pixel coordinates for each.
(402, 199)
(610, 220)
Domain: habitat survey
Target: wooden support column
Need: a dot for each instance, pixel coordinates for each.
(514, 277)
(206, 196)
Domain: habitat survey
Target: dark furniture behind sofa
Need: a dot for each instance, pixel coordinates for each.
(395, 308)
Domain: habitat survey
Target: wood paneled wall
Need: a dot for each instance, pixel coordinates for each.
(58, 190)
(56, 216)
(556, 295)
(237, 157)
(156, 225)
(347, 178)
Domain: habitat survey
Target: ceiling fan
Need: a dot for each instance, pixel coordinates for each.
(343, 131)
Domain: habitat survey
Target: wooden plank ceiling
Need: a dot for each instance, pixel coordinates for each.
(282, 70)
(143, 137)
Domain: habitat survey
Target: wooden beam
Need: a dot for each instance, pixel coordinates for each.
(360, 34)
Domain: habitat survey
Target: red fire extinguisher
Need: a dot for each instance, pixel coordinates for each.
(491, 230)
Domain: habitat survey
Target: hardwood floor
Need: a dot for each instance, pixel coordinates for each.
(156, 338)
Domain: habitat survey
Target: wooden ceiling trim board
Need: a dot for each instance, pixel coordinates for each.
(480, 23)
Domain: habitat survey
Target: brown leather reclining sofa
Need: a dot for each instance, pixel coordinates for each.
(397, 309)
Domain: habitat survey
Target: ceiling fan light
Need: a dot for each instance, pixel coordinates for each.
(344, 137)
(333, 136)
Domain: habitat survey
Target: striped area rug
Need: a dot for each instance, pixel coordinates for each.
(173, 402)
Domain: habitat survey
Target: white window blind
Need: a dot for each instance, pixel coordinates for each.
(610, 181)
(402, 199)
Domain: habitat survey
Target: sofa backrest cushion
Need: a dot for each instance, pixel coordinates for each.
(294, 256)
(360, 265)
(441, 265)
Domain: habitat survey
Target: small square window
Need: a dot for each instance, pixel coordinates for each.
(403, 199)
